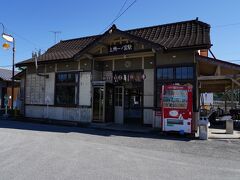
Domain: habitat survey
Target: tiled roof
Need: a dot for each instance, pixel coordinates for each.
(63, 50)
(6, 75)
(184, 34)
(72, 44)
(176, 35)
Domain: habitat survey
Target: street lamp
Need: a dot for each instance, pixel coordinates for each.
(9, 38)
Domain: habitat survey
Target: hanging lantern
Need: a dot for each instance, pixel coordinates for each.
(6, 45)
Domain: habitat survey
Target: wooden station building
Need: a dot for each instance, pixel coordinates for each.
(117, 76)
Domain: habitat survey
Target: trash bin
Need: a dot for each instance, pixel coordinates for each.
(203, 128)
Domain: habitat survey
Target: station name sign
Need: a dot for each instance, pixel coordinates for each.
(129, 77)
(120, 48)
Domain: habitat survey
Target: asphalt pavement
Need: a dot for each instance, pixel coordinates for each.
(49, 152)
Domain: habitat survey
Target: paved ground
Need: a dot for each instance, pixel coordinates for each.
(37, 151)
(221, 134)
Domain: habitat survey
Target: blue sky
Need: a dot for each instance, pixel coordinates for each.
(30, 22)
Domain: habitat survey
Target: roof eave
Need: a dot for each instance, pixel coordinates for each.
(218, 61)
(42, 62)
(195, 47)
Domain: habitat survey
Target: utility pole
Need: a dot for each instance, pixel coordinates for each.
(55, 33)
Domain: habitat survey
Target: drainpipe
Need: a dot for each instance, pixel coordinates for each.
(35, 56)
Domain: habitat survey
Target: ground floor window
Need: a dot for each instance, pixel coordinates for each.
(178, 72)
(182, 75)
(66, 88)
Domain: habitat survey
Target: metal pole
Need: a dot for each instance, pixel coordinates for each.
(2, 27)
(13, 74)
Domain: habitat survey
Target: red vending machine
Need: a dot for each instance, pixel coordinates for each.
(177, 108)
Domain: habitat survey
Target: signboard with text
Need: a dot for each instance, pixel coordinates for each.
(120, 77)
(120, 48)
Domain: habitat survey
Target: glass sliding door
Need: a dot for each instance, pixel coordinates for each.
(98, 104)
(119, 103)
(133, 104)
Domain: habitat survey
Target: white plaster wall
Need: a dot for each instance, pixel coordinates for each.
(85, 115)
(156, 120)
(55, 113)
(148, 116)
(49, 90)
(34, 111)
(71, 114)
(148, 82)
(148, 96)
(35, 89)
(148, 101)
(59, 113)
(85, 89)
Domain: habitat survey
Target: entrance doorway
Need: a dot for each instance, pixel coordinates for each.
(119, 102)
(133, 103)
(98, 104)
(128, 97)
(102, 102)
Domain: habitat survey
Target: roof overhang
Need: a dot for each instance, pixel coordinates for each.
(217, 75)
(183, 35)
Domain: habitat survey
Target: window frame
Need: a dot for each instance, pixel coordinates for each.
(188, 75)
(174, 67)
(160, 82)
(169, 75)
(75, 84)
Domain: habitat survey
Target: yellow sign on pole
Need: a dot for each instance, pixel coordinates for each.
(6, 46)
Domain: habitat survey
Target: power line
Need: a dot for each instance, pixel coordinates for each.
(226, 25)
(234, 60)
(121, 8)
(20, 36)
(120, 14)
(32, 43)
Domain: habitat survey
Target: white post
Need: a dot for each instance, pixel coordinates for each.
(229, 123)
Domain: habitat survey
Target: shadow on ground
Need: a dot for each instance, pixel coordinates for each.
(86, 129)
